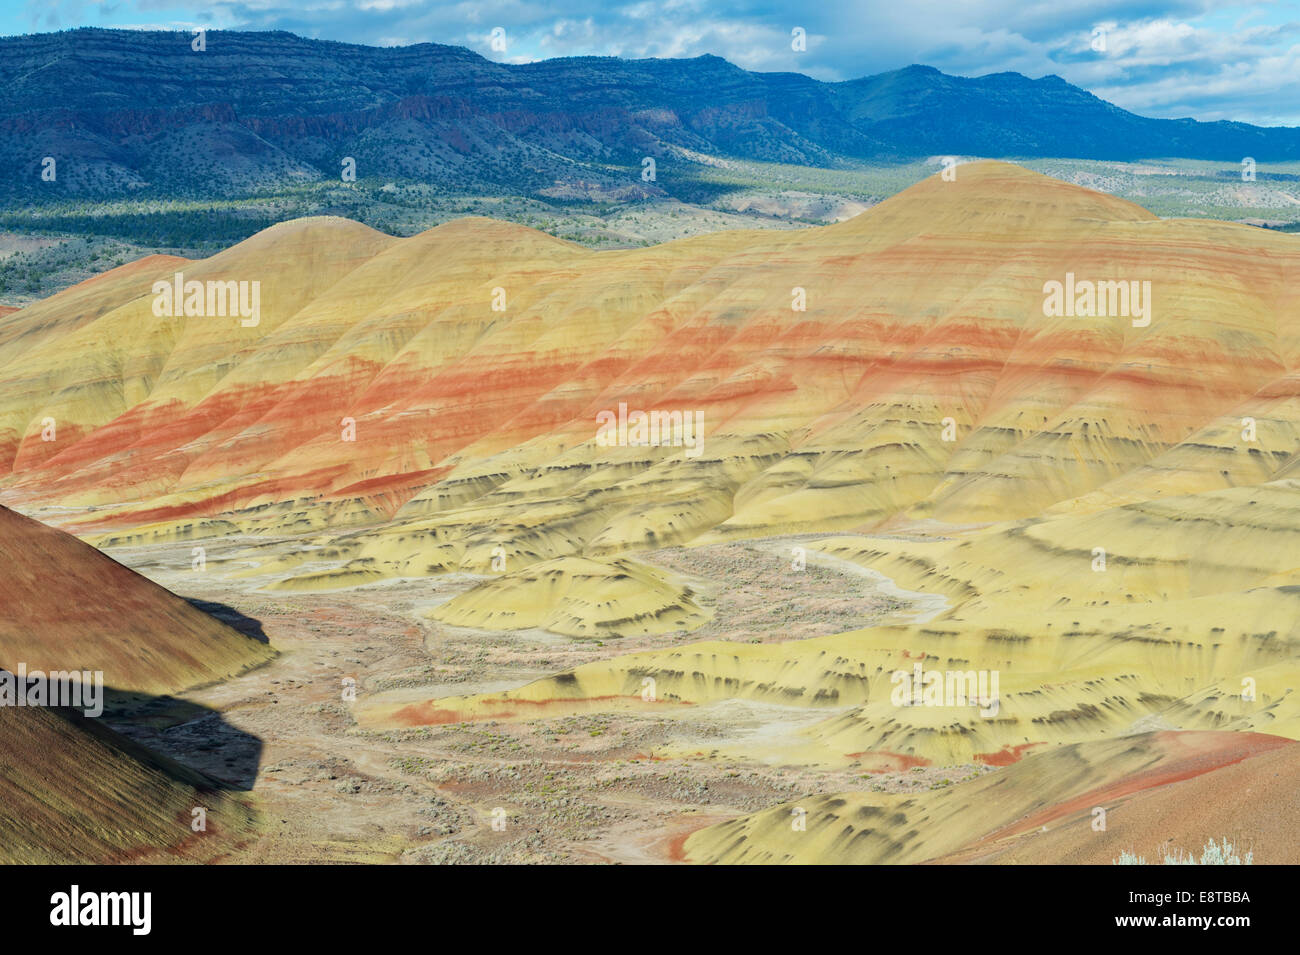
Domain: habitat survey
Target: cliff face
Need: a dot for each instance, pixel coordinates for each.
(122, 110)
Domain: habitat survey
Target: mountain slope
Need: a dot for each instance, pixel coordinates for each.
(1162, 793)
(74, 790)
(65, 606)
(926, 309)
(255, 110)
(76, 793)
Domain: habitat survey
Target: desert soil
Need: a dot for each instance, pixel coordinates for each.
(565, 789)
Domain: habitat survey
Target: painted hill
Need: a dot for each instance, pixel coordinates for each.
(1108, 503)
(78, 793)
(124, 111)
(579, 597)
(66, 606)
(1162, 793)
(75, 791)
(924, 320)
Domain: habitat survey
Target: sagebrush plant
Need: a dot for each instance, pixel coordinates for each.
(1214, 853)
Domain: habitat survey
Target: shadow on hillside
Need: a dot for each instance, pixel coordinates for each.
(249, 626)
(185, 739)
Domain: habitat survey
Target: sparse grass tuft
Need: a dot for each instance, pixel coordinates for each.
(1214, 853)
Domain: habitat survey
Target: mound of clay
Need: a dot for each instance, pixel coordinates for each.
(580, 598)
(1159, 791)
(77, 793)
(66, 606)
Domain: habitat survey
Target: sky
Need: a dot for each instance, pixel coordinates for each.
(1207, 59)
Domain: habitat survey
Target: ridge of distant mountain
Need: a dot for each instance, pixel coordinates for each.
(124, 110)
